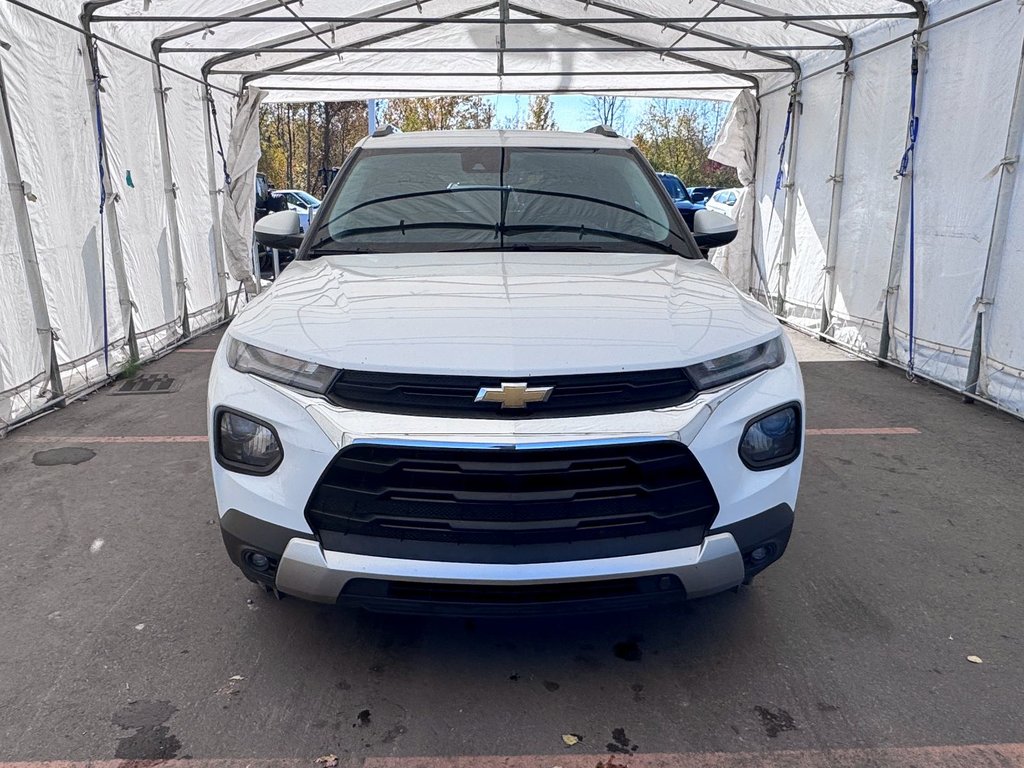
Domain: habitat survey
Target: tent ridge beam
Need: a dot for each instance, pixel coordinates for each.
(726, 41)
(794, 20)
(299, 36)
(675, 56)
(516, 49)
(286, 68)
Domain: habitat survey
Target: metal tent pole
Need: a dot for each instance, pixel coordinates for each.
(899, 239)
(838, 172)
(26, 244)
(92, 74)
(789, 218)
(211, 177)
(1000, 224)
(170, 189)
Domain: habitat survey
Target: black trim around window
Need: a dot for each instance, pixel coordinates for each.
(234, 466)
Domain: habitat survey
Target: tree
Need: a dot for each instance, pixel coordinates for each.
(677, 137)
(439, 113)
(541, 114)
(299, 145)
(611, 111)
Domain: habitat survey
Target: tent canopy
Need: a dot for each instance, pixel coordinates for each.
(302, 51)
(129, 227)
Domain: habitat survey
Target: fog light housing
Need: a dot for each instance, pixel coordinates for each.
(772, 439)
(257, 561)
(246, 444)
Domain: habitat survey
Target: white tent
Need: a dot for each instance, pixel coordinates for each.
(902, 243)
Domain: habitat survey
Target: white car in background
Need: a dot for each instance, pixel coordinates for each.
(724, 202)
(299, 201)
(499, 376)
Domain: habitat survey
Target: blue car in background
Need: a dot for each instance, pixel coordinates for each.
(680, 196)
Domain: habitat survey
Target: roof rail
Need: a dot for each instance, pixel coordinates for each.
(387, 130)
(603, 130)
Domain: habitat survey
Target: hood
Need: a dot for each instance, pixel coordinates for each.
(503, 314)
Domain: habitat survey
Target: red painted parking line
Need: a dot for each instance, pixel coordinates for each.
(866, 431)
(130, 439)
(967, 756)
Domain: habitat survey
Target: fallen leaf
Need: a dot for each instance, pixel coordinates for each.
(328, 761)
(975, 660)
(570, 739)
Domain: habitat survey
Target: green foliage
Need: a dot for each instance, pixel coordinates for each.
(439, 113)
(677, 137)
(298, 140)
(541, 114)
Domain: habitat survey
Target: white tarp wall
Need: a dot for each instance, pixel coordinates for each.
(969, 68)
(47, 81)
(828, 248)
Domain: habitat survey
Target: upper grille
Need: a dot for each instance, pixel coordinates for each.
(572, 395)
(506, 497)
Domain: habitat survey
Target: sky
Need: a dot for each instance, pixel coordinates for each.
(570, 110)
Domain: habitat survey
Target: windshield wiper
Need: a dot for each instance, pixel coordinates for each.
(511, 230)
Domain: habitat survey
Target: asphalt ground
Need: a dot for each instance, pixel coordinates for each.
(126, 635)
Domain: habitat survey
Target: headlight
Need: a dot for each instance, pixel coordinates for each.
(283, 369)
(244, 444)
(772, 439)
(738, 365)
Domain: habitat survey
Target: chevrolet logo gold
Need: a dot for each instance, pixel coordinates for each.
(513, 395)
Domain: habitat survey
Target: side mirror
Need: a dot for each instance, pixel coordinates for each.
(711, 229)
(279, 230)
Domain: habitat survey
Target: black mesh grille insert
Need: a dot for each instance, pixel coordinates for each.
(512, 497)
(575, 395)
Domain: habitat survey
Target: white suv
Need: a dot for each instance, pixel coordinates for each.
(499, 375)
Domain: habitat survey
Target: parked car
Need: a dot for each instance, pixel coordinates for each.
(724, 201)
(700, 194)
(680, 196)
(301, 202)
(499, 375)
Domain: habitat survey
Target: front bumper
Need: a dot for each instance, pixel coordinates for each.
(312, 432)
(302, 568)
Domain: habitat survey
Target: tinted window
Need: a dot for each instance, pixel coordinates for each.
(423, 200)
(675, 187)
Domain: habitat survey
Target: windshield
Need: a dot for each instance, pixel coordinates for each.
(493, 198)
(306, 198)
(675, 187)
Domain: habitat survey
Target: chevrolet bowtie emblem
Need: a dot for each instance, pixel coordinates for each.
(513, 395)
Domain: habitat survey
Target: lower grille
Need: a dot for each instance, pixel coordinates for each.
(506, 497)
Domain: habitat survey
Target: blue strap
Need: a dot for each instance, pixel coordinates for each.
(101, 157)
(907, 166)
(780, 176)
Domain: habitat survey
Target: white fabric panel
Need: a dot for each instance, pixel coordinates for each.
(1002, 374)
(964, 117)
(50, 108)
(812, 195)
(129, 114)
(879, 100)
(770, 213)
(243, 154)
(736, 146)
(20, 358)
(185, 129)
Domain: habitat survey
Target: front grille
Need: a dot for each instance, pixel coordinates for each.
(505, 497)
(572, 395)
